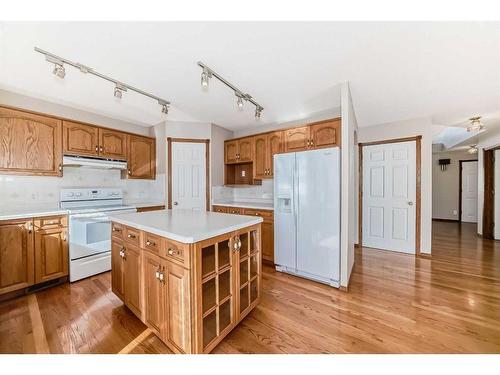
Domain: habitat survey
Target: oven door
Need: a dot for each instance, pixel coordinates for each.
(89, 234)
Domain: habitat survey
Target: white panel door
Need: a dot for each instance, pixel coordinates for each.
(389, 193)
(469, 192)
(189, 176)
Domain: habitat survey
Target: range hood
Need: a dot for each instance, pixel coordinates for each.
(83, 162)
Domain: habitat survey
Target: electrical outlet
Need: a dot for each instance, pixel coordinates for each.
(455, 212)
(243, 173)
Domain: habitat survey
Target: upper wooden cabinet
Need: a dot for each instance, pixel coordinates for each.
(16, 255)
(141, 157)
(112, 144)
(297, 139)
(30, 144)
(87, 140)
(80, 139)
(238, 151)
(325, 134)
(265, 147)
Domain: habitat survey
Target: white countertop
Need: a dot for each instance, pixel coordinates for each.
(144, 203)
(186, 226)
(30, 210)
(257, 205)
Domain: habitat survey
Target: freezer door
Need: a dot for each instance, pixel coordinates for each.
(284, 211)
(318, 213)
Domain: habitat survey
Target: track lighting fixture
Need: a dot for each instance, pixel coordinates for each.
(472, 149)
(475, 124)
(120, 87)
(208, 73)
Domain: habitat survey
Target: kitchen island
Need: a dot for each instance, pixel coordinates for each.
(191, 277)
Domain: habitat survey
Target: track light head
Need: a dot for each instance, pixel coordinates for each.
(59, 70)
(239, 102)
(164, 106)
(205, 76)
(119, 89)
(258, 111)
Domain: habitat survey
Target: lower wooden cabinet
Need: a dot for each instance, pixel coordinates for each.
(16, 255)
(51, 254)
(32, 251)
(117, 268)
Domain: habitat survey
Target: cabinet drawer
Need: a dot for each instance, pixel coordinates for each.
(152, 242)
(117, 230)
(219, 209)
(132, 236)
(176, 252)
(50, 222)
(234, 210)
(266, 215)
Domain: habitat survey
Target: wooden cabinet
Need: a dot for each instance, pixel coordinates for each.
(132, 278)
(141, 157)
(297, 139)
(268, 241)
(32, 251)
(154, 293)
(150, 208)
(51, 254)
(325, 134)
(30, 144)
(219, 209)
(16, 255)
(80, 139)
(112, 144)
(117, 268)
(238, 151)
(265, 147)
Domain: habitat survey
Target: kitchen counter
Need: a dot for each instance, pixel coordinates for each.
(30, 210)
(256, 205)
(185, 226)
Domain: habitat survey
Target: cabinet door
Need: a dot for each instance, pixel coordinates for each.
(326, 134)
(177, 330)
(117, 269)
(230, 152)
(248, 265)
(297, 139)
(112, 144)
(51, 254)
(80, 139)
(260, 162)
(154, 296)
(245, 150)
(141, 157)
(132, 279)
(274, 146)
(16, 255)
(30, 144)
(268, 241)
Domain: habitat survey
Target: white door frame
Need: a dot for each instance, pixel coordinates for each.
(169, 167)
(418, 147)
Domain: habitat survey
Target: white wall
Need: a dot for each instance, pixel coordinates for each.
(348, 207)
(445, 184)
(411, 128)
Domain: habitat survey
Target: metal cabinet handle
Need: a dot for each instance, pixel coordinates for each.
(116, 230)
(101, 149)
(96, 148)
(130, 235)
(150, 243)
(30, 227)
(162, 277)
(64, 236)
(173, 252)
(129, 172)
(60, 167)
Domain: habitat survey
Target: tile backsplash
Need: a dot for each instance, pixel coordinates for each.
(35, 189)
(257, 193)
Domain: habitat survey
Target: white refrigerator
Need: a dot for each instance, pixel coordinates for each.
(307, 214)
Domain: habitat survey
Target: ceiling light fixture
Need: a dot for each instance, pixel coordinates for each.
(209, 73)
(120, 87)
(472, 149)
(475, 124)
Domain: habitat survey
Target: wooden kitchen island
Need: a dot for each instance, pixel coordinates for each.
(191, 277)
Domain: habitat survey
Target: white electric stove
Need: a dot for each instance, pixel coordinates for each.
(90, 228)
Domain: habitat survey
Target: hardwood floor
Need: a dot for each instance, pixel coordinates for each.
(395, 304)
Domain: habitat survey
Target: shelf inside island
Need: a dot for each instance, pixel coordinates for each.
(191, 277)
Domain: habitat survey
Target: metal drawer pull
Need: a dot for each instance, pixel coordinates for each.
(116, 230)
(150, 243)
(161, 277)
(173, 252)
(157, 274)
(64, 236)
(130, 235)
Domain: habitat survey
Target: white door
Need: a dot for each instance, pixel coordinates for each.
(469, 192)
(389, 196)
(189, 176)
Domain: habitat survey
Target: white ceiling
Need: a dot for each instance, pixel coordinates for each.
(397, 71)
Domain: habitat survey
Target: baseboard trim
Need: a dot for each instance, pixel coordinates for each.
(425, 256)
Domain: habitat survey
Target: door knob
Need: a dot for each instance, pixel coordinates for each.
(410, 203)
(176, 203)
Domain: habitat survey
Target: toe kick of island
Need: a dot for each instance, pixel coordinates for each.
(191, 295)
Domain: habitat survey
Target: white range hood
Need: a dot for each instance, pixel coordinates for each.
(74, 161)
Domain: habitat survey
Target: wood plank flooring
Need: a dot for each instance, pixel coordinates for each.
(395, 304)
